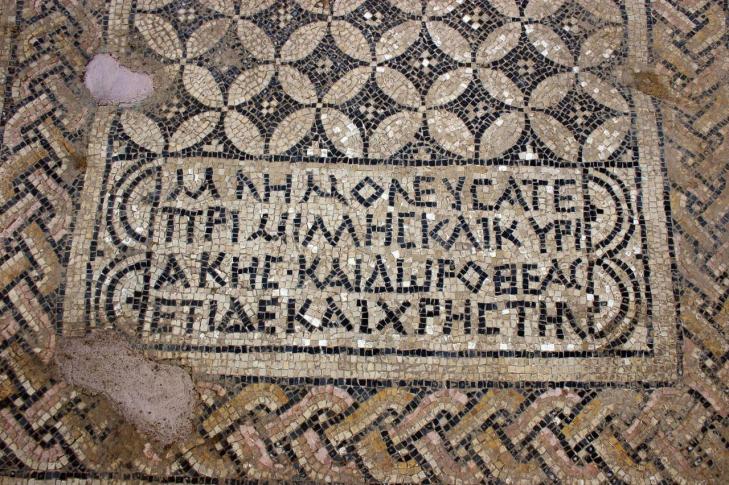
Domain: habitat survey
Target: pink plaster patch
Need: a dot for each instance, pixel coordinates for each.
(110, 82)
(158, 398)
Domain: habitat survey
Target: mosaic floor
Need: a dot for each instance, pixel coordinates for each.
(384, 241)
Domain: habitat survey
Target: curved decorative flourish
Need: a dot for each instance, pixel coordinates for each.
(138, 189)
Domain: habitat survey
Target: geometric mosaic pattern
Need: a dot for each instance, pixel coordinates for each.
(368, 431)
(246, 230)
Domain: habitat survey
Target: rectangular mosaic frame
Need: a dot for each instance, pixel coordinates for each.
(658, 363)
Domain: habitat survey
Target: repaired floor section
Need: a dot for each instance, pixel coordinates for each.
(158, 398)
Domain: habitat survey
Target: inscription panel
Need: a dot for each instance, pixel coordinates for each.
(431, 194)
(310, 269)
(386, 256)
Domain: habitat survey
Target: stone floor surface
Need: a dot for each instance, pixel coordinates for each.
(364, 241)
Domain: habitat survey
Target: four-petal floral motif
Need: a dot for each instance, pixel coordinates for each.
(445, 126)
(432, 107)
(280, 63)
(506, 130)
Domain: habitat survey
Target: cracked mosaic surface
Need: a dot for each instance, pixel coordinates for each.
(392, 241)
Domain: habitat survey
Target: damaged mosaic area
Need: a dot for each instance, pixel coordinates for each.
(458, 241)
